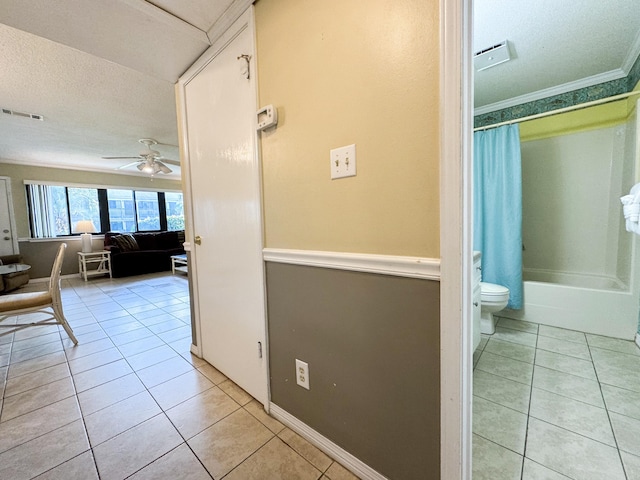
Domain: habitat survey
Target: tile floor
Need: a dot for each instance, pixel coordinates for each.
(555, 404)
(130, 401)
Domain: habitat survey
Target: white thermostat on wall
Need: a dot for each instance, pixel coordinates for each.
(267, 117)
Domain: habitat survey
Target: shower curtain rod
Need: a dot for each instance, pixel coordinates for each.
(560, 110)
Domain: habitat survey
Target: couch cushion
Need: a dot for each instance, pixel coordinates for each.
(126, 243)
(146, 241)
(167, 240)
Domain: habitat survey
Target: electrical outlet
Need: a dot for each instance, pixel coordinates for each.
(343, 162)
(302, 374)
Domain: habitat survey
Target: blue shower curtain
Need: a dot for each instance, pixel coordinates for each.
(497, 208)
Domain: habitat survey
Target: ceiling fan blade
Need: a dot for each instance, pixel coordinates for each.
(162, 167)
(120, 158)
(128, 165)
(171, 162)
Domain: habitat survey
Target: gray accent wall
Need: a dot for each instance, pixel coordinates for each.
(373, 348)
(40, 255)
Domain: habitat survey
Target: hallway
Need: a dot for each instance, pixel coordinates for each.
(130, 401)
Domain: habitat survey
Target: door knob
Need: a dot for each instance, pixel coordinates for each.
(198, 240)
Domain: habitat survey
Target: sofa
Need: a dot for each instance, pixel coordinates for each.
(139, 253)
(11, 281)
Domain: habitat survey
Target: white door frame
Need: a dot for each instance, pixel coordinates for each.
(245, 21)
(456, 248)
(11, 213)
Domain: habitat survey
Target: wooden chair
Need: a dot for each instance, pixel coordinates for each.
(48, 302)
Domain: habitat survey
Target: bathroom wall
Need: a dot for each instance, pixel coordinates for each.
(573, 175)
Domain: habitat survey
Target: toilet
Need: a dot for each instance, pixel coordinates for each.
(493, 298)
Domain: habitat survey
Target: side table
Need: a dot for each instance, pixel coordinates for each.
(102, 258)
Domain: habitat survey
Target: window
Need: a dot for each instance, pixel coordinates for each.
(175, 211)
(55, 210)
(148, 211)
(83, 205)
(122, 217)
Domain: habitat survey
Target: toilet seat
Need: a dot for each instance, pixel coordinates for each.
(493, 291)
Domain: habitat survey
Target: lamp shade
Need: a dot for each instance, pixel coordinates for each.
(85, 226)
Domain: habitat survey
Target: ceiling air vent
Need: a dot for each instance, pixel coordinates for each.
(492, 56)
(21, 114)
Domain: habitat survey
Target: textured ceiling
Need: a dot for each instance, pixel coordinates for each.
(558, 45)
(102, 72)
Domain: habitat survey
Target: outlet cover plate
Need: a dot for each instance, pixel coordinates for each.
(302, 374)
(343, 162)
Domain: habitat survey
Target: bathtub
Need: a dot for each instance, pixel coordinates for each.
(591, 304)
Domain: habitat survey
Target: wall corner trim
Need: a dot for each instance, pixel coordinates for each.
(638, 339)
(356, 466)
(400, 266)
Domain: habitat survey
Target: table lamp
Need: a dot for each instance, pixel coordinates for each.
(86, 228)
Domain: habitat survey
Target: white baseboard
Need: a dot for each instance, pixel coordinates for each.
(195, 350)
(356, 466)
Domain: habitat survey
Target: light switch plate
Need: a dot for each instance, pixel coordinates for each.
(343, 162)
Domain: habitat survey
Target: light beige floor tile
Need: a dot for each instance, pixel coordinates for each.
(615, 344)
(109, 393)
(516, 351)
(564, 347)
(163, 371)
(94, 360)
(176, 334)
(26, 427)
(618, 377)
(132, 336)
(609, 358)
(338, 472)
(502, 391)
(566, 364)
(571, 454)
(567, 385)
(140, 346)
(256, 409)
(201, 411)
(515, 336)
(35, 398)
(115, 419)
(274, 460)
(37, 351)
(212, 373)
(499, 424)
(166, 326)
(309, 452)
(44, 453)
(518, 325)
(124, 327)
(40, 331)
(132, 450)
(151, 357)
(83, 349)
(535, 471)
(506, 367)
(179, 463)
(81, 467)
(36, 341)
(562, 334)
(624, 402)
(572, 415)
(235, 392)
(36, 379)
(83, 338)
(99, 375)
(491, 461)
(627, 432)
(229, 442)
(177, 390)
(631, 465)
(29, 366)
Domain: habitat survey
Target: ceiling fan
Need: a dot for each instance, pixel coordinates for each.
(150, 161)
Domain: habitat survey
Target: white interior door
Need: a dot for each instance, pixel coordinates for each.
(8, 236)
(225, 177)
